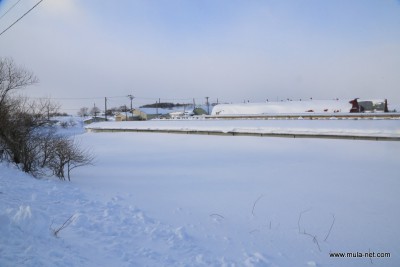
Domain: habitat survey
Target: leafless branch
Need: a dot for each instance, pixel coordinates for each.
(217, 215)
(254, 205)
(301, 214)
(63, 226)
(314, 238)
(330, 229)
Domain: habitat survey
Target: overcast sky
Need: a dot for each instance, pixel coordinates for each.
(232, 50)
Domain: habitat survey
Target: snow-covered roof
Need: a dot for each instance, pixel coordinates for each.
(317, 106)
(126, 114)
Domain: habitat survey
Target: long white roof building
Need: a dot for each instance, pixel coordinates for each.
(316, 106)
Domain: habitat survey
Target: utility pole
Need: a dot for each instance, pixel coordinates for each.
(126, 113)
(95, 111)
(159, 101)
(131, 97)
(105, 107)
(208, 105)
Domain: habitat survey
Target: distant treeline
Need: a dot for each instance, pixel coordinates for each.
(165, 105)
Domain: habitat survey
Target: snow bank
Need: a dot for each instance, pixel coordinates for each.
(378, 128)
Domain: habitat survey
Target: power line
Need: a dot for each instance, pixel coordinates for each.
(21, 17)
(77, 98)
(102, 97)
(116, 100)
(9, 9)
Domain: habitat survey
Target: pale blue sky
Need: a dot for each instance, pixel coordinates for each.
(230, 50)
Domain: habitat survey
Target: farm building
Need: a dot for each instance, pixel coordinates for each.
(360, 105)
(135, 115)
(315, 106)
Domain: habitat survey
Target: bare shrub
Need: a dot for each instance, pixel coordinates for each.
(67, 156)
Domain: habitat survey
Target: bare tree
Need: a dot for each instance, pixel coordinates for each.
(94, 111)
(77, 158)
(67, 156)
(83, 112)
(13, 77)
(16, 128)
(48, 107)
(26, 137)
(60, 156)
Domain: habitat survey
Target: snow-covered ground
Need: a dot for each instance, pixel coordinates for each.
(185, 200)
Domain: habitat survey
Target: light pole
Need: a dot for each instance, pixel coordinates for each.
(131, 97)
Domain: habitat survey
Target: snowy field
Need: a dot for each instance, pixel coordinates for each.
(186, 200)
